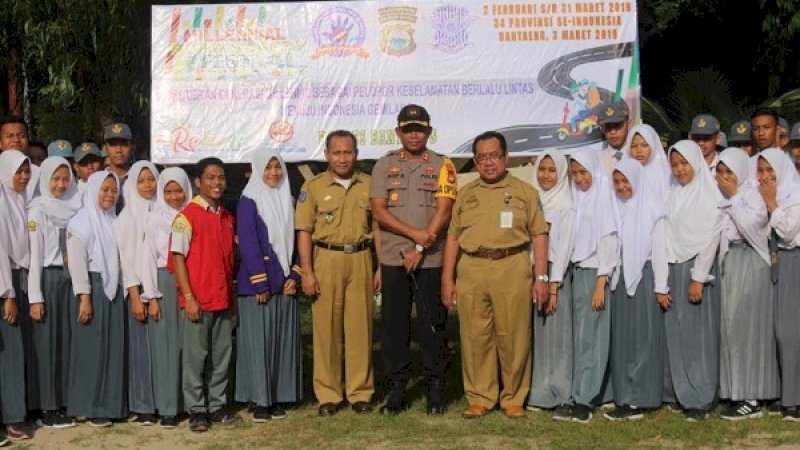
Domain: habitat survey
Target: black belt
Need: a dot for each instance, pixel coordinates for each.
(347, 248)
(500, 253)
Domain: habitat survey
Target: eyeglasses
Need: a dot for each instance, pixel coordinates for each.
(489, 157)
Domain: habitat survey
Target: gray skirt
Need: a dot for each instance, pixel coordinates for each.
(591, 340)
(551, 382)
(748, 358)
(637, 366)
(48, 360)
(787, 317)
(141, 398)
(12, 361)
(269, 364)
(98, 363)
(166, 336)
(692, 340)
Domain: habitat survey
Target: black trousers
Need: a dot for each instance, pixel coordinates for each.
(400, 290)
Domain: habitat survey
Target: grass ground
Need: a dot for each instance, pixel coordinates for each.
(414, 429)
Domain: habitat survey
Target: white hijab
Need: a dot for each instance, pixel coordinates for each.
(13, 214)
(559, 197)
(656, 169)
(94, 227)
(739, 163)
(274, 206)
(58, 210)
(159, 222)
(786, 176)
(693, 216)
(129, 227)
(594, 217)
(638, 217)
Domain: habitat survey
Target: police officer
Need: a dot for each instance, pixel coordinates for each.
(495, 219)
(741, 136)
(704, 132)
(333, 226)
(613, 119)
(412, 194)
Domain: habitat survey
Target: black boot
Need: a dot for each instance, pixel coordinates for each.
(435, 397)
(396, 400)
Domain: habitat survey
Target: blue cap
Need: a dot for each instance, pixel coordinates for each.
(117, 131)
(783, 126)
(795, 134)
(704, 125)
(85, 149)
(60, 147)
(614, 112)
(740, 132)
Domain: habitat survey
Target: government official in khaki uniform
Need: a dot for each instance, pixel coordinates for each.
(412, 194)
(495, 219)
(334, 243)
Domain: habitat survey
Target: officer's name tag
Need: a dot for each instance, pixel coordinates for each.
(506, 219)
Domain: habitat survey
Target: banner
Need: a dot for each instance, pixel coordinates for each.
(230, 79)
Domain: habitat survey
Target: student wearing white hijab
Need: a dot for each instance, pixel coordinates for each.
(15, 175)
(595, 254)
(779, 185)
(269, 360)
(551, 382)
(748, 358)
(637, 321)
(97, 388)
(691, 321)
(50, 292)
(644, 145)
(158, 291)
(140, 198)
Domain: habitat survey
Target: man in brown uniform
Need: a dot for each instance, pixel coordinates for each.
(333, 240)
(495, 219)
(412, 194)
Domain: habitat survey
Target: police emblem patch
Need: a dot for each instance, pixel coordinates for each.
(398, 32)
(302, 196)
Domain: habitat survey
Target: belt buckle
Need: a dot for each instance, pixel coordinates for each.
(349, 248)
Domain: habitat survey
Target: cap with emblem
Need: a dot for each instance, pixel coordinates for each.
(413, 115)
(117, 131)
(795, 134)
(704, 125)
(783, 126)
(614, 112)
(740, 132)
(60, 147)
(86, 149)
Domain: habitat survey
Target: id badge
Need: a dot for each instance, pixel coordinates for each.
(506, 219)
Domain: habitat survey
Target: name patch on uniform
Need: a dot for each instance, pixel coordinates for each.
(430, 169)
(395, 169)
(506, 219)
(32, 225)
(395, 175)
(396, 182)
(302, 196)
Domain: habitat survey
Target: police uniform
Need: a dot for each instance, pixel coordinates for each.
(493, 224)
(411, 187)
(339, 222)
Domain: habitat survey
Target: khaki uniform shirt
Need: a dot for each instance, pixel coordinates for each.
(411, 187)
(495, 216)
(332, 214)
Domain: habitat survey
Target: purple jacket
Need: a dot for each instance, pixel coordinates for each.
(257, 258)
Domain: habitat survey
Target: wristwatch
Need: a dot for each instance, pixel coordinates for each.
(419, 248)
(544, 278)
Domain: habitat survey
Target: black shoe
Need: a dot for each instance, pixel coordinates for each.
(624, 412)
(581, 413)
(4, 440)
(328, 409)
(261, 414)
(224, 415)
(169, 421)
(695, 415)
(791, 414)
(773, 408)
(145, 420)
(100, 422)
(395, 403)
(54, 419)
(362, 407)
(276, 411)
(563, 412)
(741, 410)
(434, 398)
(198, 422)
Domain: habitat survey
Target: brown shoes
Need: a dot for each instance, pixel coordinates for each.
(514, 412)
(474, 411)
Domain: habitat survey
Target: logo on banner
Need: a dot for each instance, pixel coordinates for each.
(281, 131)
(450, 23)
(398, 32)
(339, 32)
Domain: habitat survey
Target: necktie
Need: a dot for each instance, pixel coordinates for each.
(62, 245)
(772, 242)
(618, 155)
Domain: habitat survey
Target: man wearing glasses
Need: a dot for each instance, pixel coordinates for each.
(613, 121)
(495, 219)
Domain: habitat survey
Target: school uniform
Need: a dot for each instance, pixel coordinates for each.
(551, 381)
(748, 352)
(595, 254)
(692, 329)
(129, 229)
(14, 257)
(656, 170)
(158, 285)
(269, 365)
(637, 366)
(49, 284)
(97, 371)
